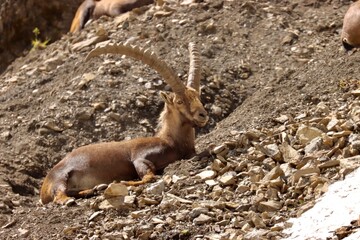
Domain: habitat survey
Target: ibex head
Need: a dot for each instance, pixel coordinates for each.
(185, 98)
(350, 35)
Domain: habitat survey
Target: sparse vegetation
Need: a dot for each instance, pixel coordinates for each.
(349, 84)
(37, 43)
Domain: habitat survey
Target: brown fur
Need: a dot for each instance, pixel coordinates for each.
(90, 165)
(350, 35)
(93, 9)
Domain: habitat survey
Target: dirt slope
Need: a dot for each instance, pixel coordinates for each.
(260, 59)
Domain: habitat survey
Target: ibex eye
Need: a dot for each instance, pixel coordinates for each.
(180, 102)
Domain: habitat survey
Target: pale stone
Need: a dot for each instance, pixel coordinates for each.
(269, 206)
(305, 134)
(322, 108)
(331, 126)
(197, 211)
(129, 200)
(289, 153)
(53, 62)
(23, 233)
(256, 220)
(242, 188)
(211, 183)
(273, 174)
(282, 119)
(330, 163)
(95, 215)
(217, 165)
(156, 188)
(88, 42)
(302, 172)
(115, 189)
(314, 145)
(221, 149)
(229, 178)
(216, 110)
(202, 219)
(138, 214)
(271, 150)
(205, 175)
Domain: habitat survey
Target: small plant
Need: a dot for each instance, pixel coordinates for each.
(349, 84)
(37, 43)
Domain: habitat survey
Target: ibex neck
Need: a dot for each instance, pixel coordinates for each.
(179, 134)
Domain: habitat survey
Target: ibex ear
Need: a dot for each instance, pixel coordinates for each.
(167, 97)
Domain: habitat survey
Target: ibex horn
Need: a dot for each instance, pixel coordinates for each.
(146, 57)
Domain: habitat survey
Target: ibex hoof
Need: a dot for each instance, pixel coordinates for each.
(70, 202)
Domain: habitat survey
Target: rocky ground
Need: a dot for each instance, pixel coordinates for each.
(284, 117)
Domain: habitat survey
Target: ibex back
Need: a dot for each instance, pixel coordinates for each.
(93, 9)
(90, 165)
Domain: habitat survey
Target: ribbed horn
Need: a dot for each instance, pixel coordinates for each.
(194, 69)
(146, 57)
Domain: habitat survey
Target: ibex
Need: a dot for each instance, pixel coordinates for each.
(90, 165)
(350, 35)
(93, 9)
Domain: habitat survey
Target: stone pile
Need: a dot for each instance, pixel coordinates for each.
(246, 189)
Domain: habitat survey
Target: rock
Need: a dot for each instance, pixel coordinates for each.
(138, 214)
(242, 188)
(129, 200)
(216, 110)
(302, 172)
(86, 78)
(95, 216)
(205, 175)
(256, 220)
(202, 219)
(156, 188)
(217, 165)
(329, 164)
(211, 183)
(53, 62)
(314, 145)
(23, 233)
(197, 211)
(331, 126)
(282, 119)
(88, 42)
(305, 134)
(255, 174)
(273, 174)
(322, 108)
(5, 136)
(290, 155)
(271, 150)
(219, 149)
(269, 206)
(229, 178)
(115, 190)
(350, 163)
(147, 201)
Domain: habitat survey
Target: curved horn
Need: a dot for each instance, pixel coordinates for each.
(146, 57)
(194, 69)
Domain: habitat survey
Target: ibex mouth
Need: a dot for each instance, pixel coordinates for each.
(201, 122)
